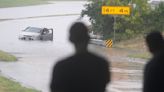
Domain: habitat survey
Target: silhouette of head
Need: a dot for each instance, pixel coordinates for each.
(79, 35)
(155, 42)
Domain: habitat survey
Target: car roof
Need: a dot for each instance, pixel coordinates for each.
(35, 28)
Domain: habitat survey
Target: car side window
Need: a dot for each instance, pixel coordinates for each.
(45, 31)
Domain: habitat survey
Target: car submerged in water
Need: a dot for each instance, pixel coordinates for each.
(35, 33)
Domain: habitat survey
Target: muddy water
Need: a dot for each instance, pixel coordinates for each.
(36, 58)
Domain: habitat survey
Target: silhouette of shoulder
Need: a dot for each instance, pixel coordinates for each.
(81, 71)
(154, 74)
(83, 60)
(83, 57)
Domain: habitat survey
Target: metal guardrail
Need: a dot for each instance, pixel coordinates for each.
(104, 43)
(97, 42)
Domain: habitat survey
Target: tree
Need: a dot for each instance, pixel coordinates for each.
(155, 20)
(104, 24)
(100, 24)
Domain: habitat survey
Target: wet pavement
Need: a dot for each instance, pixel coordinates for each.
(36, 58)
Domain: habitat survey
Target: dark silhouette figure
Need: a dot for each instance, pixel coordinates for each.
(82, 72)
(154, 69)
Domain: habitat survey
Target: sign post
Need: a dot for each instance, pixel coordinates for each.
(114, 29)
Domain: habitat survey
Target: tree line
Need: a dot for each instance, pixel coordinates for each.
(142, 20)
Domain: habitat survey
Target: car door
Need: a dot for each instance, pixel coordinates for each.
(47, 34)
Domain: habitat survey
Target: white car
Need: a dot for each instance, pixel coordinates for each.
(35, 33)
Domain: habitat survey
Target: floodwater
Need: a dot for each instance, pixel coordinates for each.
(36, 58)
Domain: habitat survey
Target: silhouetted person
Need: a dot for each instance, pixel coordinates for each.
(154, 69)
(83, 71)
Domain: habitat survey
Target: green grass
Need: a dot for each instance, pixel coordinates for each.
(140, 55)
(17, 3)
(7, 85)
(137, 43)
(137, 47)
(14, 3)
(6, 56)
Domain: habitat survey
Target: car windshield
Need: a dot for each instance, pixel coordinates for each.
(33, 29)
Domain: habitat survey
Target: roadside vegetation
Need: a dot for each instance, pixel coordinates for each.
(143, 55)
(7, 85)
(136, 46)
(17, 3)
(143, 19)
(130, 30)
(6, 57)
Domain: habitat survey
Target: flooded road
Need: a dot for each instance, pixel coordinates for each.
(56, 8)
(36, 58)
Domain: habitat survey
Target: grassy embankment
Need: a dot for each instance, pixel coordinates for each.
(137, 45)
(7, 85)
(7, 57)
(21, 3)
(16, 3)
